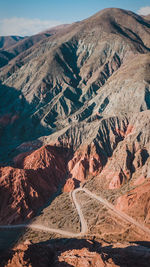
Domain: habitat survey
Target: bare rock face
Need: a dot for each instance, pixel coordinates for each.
(95, 147)
(97, 64)
(76, 253)
(137, 203)
(29, 255)
(85, 162)
(75, 106)
(69, 185)
(23, 191)
(130, 159)
(82, 257)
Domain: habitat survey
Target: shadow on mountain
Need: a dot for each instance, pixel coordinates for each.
(5, 57)
(125, 256)
(143, 243)
(147, 97)
(18, 122)
(58, 252)
(8, 237)
(129, 34)
(142, 21)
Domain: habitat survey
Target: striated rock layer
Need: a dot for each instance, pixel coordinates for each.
(75, 109)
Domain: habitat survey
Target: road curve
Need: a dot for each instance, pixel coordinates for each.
(120, 214)
(84, 227)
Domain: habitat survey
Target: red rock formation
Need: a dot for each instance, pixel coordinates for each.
(82, 257)
(95, 164)
(137, 203)
(31, 255)
(23, 191)
(18, 160)
(69, 186)
(77, 253)
(117, 179)
(28, 255)
(84, 163)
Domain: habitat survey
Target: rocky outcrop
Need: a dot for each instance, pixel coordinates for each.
(137, 203)
(23, 191)
(94, 147)
(83, 257)
(130, 160)
(29, 255)
(85, 164)
(69, 185)
(77, 253)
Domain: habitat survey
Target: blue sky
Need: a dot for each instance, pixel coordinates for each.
(26, 17)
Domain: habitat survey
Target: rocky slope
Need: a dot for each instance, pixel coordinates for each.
(5, 43)
(23, 191)
(77, 253)
(75, 109)
(12, 46)
(137, 203)
(68, 77)
(8, 41)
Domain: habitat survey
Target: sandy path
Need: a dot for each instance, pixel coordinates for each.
(84, 227)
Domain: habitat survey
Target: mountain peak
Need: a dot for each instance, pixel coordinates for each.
(74, 111)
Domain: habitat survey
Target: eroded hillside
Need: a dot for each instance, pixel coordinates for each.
(75, 110)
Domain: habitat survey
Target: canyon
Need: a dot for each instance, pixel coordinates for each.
(75, 113)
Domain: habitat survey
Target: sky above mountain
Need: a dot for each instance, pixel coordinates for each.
(32, 16)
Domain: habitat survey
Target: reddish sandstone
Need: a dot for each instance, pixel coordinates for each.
(69, 186)
(136, 203)
(82, 257)
(23, 191)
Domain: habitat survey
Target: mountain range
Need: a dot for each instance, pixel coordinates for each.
(75, 111)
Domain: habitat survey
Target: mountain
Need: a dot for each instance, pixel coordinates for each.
(74, 110)
(5, 43)
(12, 46)
(8, 41)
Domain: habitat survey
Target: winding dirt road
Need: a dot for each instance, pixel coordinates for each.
(120, 214)
(84, 227)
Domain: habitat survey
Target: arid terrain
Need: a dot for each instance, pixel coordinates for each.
(75, 144)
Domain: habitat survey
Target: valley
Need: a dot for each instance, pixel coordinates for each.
(75, 144)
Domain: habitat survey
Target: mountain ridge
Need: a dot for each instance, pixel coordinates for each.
(74, 110)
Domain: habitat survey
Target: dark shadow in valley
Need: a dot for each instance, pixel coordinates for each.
(18, 122)
(142, 21)
(145, 155)
(125, 256)
(147, 97)
(8, 237)
(58, 252)
(143, 243)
